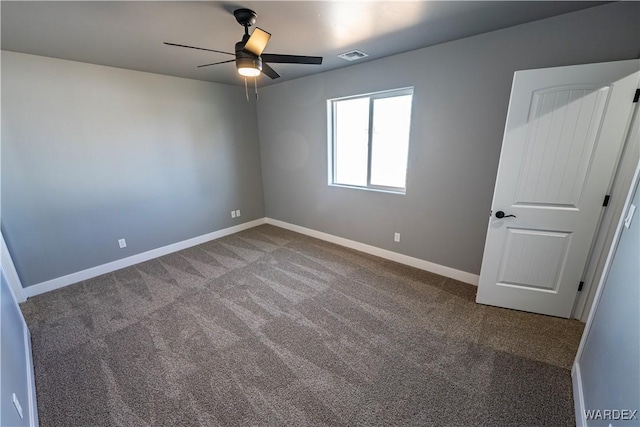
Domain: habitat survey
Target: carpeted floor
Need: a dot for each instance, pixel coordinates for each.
(269, 327)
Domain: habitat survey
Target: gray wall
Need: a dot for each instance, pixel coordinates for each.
(460, 103)
(15, 364)
(610, 360)
(91, 154)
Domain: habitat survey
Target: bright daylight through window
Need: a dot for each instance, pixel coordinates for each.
(370, 140)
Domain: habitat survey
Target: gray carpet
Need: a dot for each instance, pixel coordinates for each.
(269, 327)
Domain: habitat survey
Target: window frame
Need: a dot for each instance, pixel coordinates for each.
(332, 116)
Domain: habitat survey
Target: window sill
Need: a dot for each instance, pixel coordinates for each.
(374, 189)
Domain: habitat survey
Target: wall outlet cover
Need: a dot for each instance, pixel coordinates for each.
(238, 212)
(233, 214)
(122, 243)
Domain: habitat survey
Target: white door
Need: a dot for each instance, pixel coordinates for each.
(564, 132)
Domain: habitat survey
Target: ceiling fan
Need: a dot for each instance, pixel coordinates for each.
(249, 59)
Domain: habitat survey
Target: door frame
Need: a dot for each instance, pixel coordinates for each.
(10, 273)
(621, 182)
(609, 255)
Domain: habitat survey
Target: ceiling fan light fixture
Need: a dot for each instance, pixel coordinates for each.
(249, 72)
(249, 67)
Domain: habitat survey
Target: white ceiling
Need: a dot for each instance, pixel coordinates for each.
(130, 34)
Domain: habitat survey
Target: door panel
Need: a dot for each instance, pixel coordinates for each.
(561, 138)
(525, 250)
(565, 128)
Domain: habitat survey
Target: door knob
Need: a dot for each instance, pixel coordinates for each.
(501, 215)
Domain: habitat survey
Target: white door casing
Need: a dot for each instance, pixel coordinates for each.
(10, 271)
(563, 136)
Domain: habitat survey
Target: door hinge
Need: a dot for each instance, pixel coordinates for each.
(606, 200)
(580, 286)
(637, 96)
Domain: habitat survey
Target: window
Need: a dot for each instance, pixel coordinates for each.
(370, 140)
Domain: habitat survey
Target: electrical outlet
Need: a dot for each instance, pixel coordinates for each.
(16, 403)
(238, 213)
(396, 237)
(233, 214)
(122, 243)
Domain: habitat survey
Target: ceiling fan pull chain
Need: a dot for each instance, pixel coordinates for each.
(255, 82)
(246, 89)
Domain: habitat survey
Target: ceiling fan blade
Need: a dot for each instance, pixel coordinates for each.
(257, 42)
(199, 48)
(291, 59)
(269, 72)
(215, 63)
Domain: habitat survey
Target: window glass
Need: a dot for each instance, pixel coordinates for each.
(390, 141)
(352, 141)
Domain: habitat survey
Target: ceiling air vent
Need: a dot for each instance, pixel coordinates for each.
(352, 55)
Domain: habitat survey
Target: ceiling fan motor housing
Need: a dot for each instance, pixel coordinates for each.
(246, 59)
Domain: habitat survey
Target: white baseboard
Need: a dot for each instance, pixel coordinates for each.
(90, 273)
(578, 397)
(442, 270)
